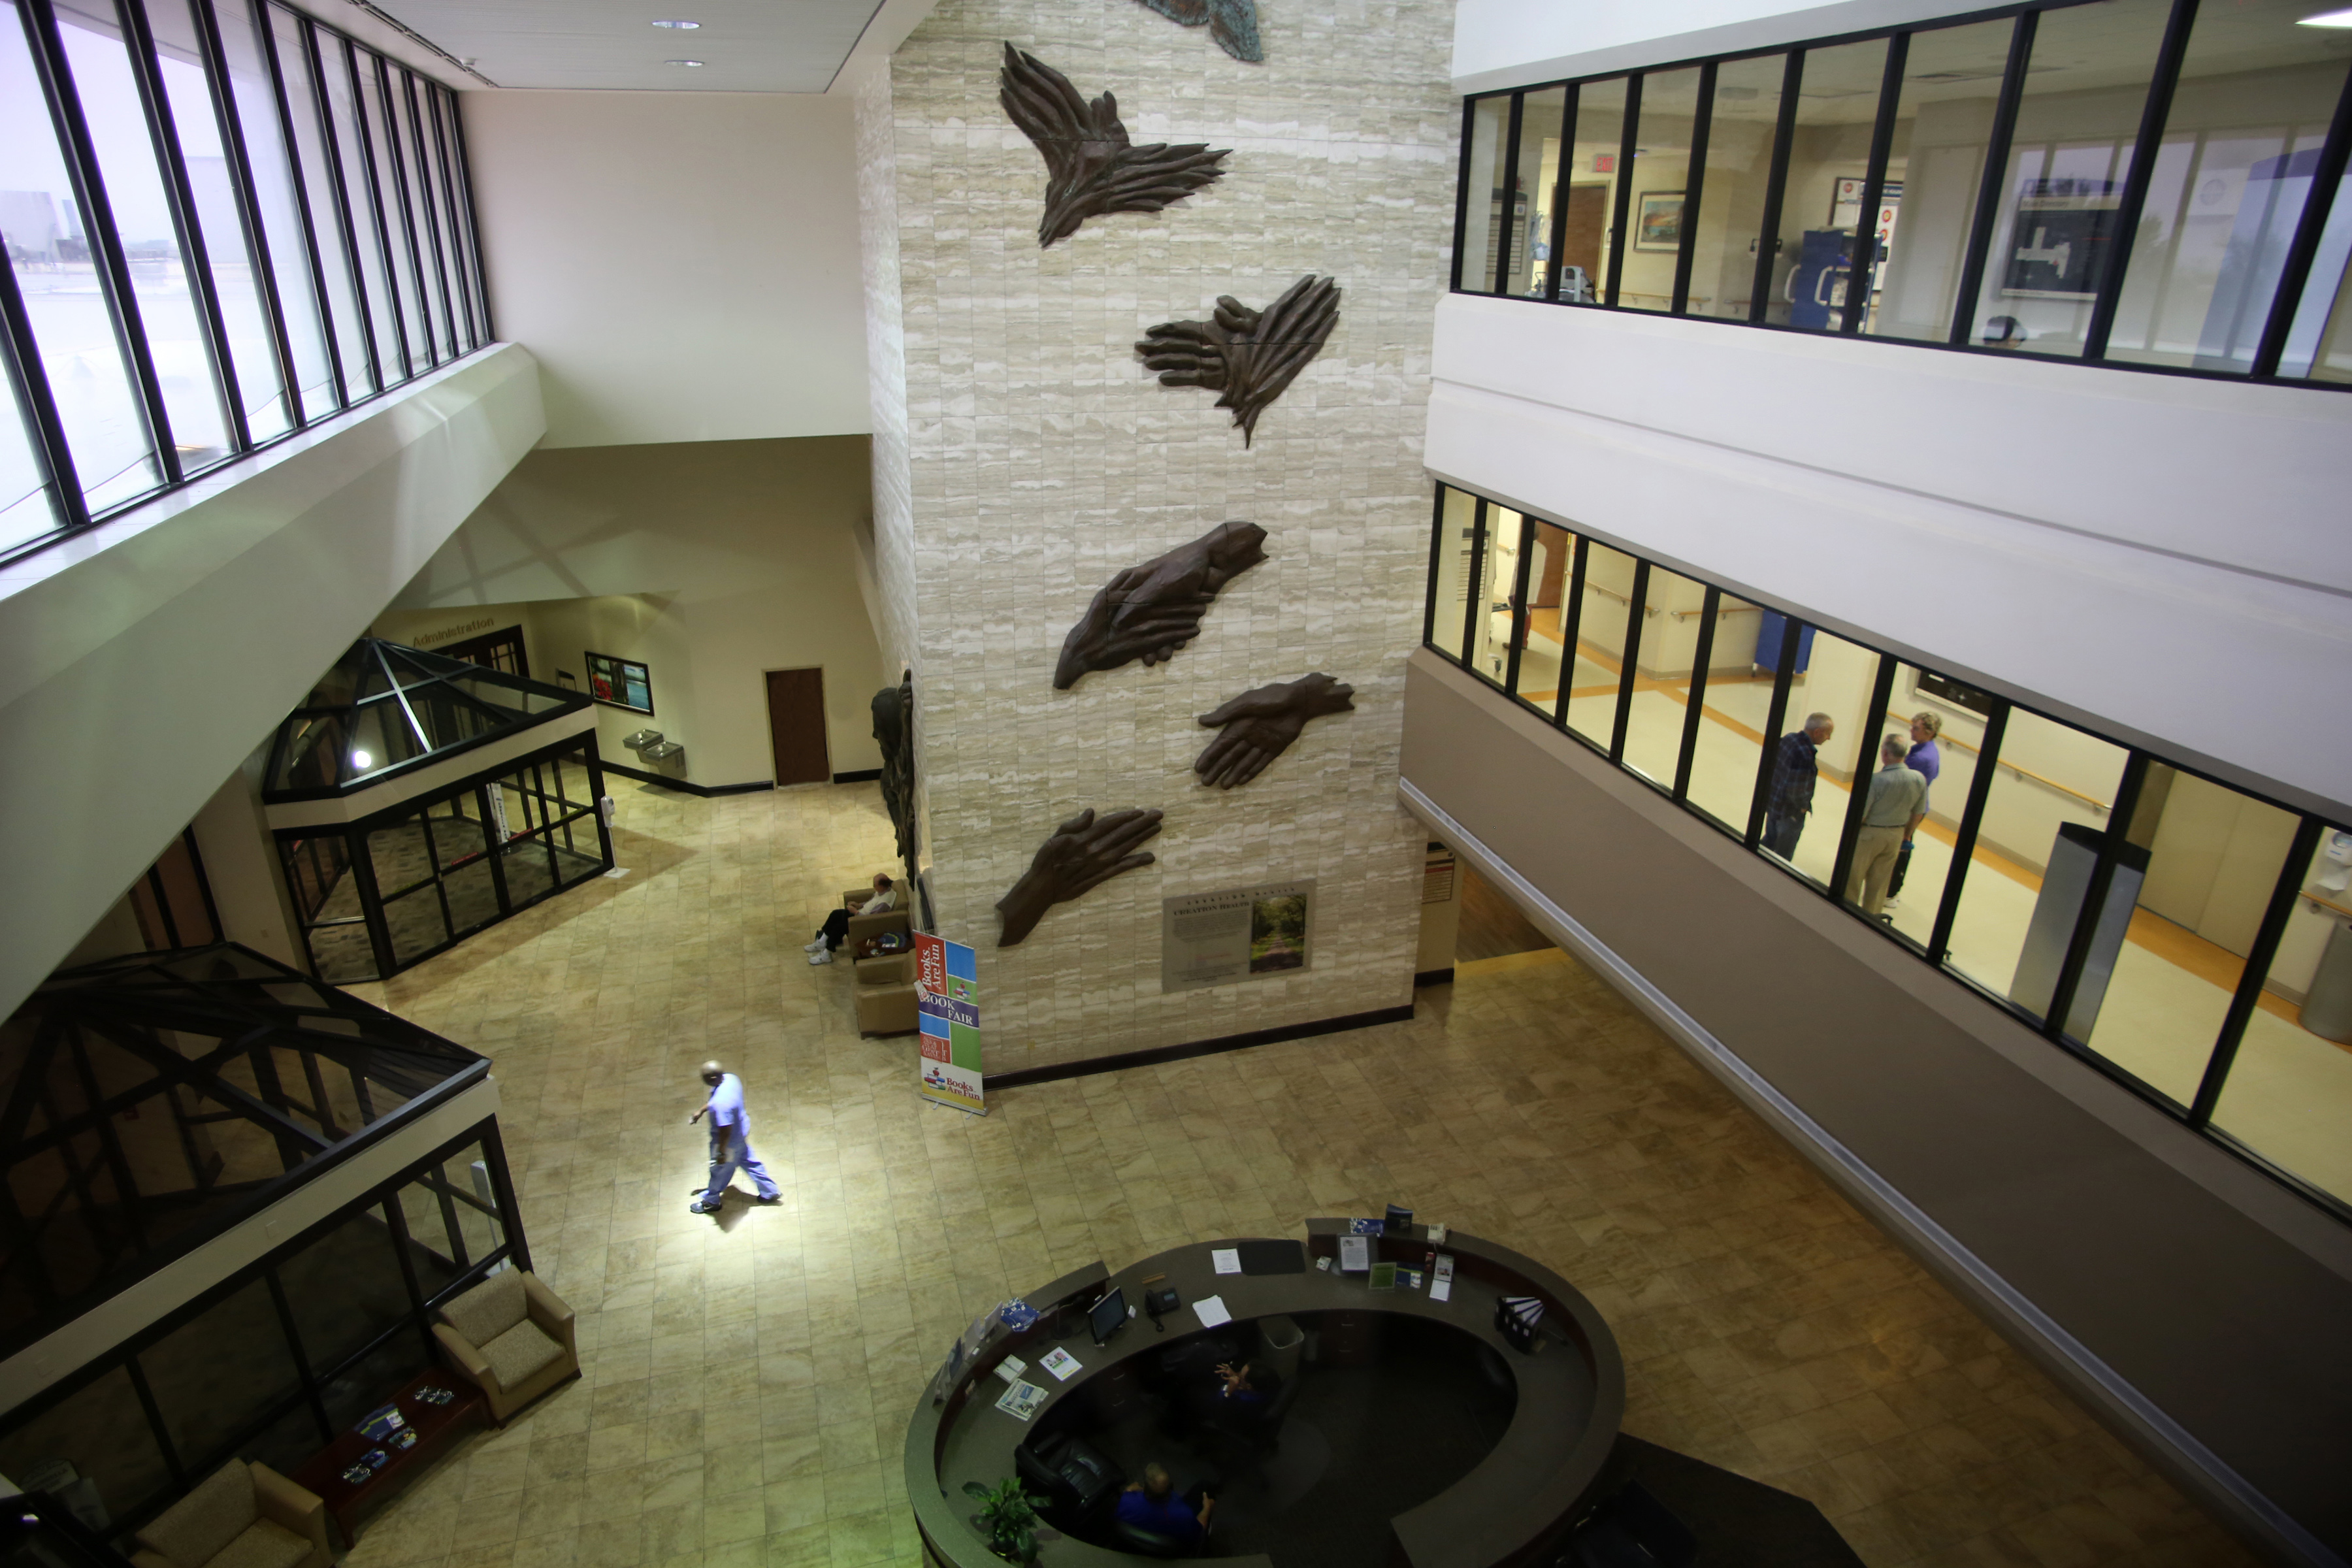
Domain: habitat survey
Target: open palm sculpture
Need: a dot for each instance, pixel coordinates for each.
(1248, 357)
(1084, 853)
(1148, 612)
(1091, 167)
(1258, 726)
(1233, 22)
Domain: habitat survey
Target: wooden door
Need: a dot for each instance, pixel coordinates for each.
(796, 726)
(1580, 235)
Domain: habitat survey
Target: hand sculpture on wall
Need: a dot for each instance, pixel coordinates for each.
(1258, 726)
(1148, 612)
(1082, 854)
(894, 732)
(1233, 22)
(1251, 357)
(1091, 167)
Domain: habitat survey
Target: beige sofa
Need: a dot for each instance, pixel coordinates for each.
(512, 1337)
(246, 1516)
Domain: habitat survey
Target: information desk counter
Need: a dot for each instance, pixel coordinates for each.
(1569, 1394)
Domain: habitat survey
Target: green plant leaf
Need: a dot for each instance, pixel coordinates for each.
(974, 1490)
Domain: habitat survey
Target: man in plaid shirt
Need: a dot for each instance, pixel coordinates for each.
(1794, 774)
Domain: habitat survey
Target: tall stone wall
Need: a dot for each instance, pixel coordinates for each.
(1038, 458)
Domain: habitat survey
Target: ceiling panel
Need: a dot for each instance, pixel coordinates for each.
(746, 46)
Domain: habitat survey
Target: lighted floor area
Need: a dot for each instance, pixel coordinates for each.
(747, 1382)
(2289, 1095)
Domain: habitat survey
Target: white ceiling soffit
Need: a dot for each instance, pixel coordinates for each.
(744, 46)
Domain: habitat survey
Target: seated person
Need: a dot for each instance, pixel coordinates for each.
(1248, 1389)
(1152, 1504)
(835, 930)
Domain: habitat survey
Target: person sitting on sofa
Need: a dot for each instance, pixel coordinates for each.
(837, 925)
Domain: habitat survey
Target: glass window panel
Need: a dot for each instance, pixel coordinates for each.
(1482, 220)
(2230, 179)
(361, 1388)
(440, 143)
(1662, 674)
(49, 251)
(1829, 158)
(1538, 179)
(214, 1376)
(2289, 1093)
(1832, 680)
(2320, 344)
(360, 332)
(377, 247)
(399, 221)
(142, 217)
(1945, 738)
(188, 97)
(1451, 564)
(2053, 239)
(1599, 661)
(273, 181)
(423, 224)
(25, 510)
(1739, 700)
(404, 879)
(1739, 172)
(2213, 856)
(1550, 566)
(1951, 81)
(1588, 195)
(345, 1289)
(1661, 177)
(102, 1431)
(2049, 800)
(1498, 565)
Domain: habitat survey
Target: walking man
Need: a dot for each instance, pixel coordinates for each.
(730, 1141)
(1896, 792)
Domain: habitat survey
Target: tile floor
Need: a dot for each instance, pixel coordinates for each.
(745, 1381)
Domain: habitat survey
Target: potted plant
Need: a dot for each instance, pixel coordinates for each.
(1007, 1518)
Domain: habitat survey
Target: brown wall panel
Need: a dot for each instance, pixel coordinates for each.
(2218, 1296)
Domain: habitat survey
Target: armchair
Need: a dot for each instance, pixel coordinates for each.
(886, 994)
(512, 1337)
(246, 1516)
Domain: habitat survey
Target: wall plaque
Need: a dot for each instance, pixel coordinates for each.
(1247, 933)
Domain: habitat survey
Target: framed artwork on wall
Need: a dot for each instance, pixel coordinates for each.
(1658, 226)
(620, 682)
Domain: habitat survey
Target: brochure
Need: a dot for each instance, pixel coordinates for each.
(1021, 1400)
(1060, 1363)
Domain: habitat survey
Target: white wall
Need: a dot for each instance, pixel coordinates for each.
(1510, 43)
(683, 264)
(2162, 557)
(142, 661)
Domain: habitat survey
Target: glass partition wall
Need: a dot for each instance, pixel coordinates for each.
(224, 221)
(2149, 184)
(2188, 939)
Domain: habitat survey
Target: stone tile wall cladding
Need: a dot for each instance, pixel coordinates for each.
(1032, 457)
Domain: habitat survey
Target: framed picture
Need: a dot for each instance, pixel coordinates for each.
(1658, 224)
(620, 682)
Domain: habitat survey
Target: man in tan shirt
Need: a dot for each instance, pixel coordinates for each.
(1896, 792)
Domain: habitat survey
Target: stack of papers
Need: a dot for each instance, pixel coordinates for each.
(1212, 1312)
(1060, 1363)
(1022, 1400)
(1441, 1287)
(1228, 1259)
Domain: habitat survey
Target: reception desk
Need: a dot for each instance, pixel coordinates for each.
(1567, 1399)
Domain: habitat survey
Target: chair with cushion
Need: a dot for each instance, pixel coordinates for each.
(246, 1516)
(886, 994)
(512, 1337)
(861, 927)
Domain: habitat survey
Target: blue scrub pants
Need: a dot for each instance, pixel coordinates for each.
(730, 1149)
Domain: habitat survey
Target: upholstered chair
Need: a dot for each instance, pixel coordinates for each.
(512, 1337)
(246, 1516)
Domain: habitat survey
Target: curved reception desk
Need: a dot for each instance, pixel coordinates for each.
(1413, 1424)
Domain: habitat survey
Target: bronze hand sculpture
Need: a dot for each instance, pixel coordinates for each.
(1091, 167)
(1250, 357)
(1258, 726)
(1148, 612)
(1084, 853)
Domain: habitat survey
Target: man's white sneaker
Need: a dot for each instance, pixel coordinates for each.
(812, 946)
(825, 957)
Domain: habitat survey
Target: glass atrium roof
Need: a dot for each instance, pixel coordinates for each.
(384, 710)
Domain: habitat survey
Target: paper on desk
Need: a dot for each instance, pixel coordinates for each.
(1441, 1289)
(1010, 1368)
(1060, 1363)
(1021, 1400)
(1212, 1312)
(1228, 1259)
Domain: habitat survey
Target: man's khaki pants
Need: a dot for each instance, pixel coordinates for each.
(1875, 853)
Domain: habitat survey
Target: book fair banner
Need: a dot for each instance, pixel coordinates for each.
(947, 998)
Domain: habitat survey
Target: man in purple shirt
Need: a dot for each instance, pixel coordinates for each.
(730, 1141)
(1927, 761)
(1152, 1504)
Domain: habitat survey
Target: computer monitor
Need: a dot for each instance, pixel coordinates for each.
(1108, 1316)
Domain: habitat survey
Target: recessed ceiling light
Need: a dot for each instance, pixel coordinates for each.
(681, 26)
(2328, 19)
(681, 62)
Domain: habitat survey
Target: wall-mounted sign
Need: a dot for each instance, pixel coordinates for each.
(947, 998)
(1248, 933)
(622, 683)
(1437, 876)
